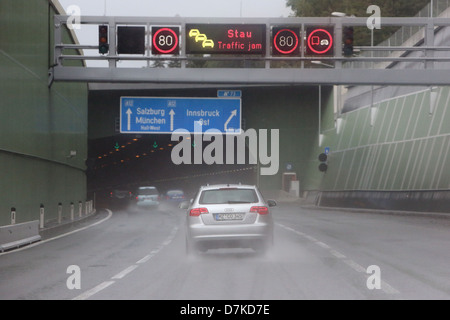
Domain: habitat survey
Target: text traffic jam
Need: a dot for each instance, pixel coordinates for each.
(240, 40)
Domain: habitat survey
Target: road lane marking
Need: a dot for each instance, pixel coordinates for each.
(355, 266)
(94, 290)
(337, 254)
(386, 287)
(145, 259)
(129, 269)
(323, 245)
(123, 273)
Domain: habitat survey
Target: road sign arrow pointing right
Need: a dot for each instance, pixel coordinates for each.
(233, 114)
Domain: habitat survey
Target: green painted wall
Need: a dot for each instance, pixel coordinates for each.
(39, 125)
(407, 147)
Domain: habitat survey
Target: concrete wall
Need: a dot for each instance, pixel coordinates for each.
(39, 126)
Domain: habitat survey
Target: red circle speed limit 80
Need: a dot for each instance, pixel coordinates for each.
(286, 41)
(165, 40)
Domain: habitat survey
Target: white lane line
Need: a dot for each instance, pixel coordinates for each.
(128, 270)
(323, 245)
(123, 273)
(145, 259)
(355, 266)
(59, 236)
(337, 254)
(386, 287)
(94, 290)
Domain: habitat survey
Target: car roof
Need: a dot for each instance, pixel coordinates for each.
(218, 186)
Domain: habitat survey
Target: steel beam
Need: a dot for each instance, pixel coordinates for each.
(255, 76)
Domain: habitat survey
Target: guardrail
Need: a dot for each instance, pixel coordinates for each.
(17, 235)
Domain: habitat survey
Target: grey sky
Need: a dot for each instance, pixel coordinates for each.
(184, 8)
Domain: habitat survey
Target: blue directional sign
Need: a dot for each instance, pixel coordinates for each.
(165, 115)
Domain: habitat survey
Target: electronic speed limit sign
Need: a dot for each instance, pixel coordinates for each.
(166, 40)
(285, 41)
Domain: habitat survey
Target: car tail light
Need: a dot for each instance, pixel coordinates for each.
(260, 210)
(197, 211)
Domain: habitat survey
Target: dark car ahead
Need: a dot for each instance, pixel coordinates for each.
(175, 195)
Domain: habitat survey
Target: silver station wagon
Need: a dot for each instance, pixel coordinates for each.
(228, 216)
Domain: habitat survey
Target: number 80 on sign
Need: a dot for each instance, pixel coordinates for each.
(165, 40)
(285, 41)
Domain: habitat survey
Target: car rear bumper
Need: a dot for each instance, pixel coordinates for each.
(147, 203)
(230, 235)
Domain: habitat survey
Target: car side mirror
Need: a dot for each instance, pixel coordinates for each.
(184, 204)
(271, 203)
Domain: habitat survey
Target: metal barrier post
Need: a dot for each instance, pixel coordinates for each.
(59, 212)
(72, 211)
(41, 216)
(13, 215)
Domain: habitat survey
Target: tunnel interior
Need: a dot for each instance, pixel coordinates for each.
(129, 160)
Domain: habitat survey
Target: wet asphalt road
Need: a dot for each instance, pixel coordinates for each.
(317, 254)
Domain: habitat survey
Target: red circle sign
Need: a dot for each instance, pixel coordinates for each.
(285, 41)
(320, 41)
(165, 41)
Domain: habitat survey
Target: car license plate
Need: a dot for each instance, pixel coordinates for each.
(229, 216)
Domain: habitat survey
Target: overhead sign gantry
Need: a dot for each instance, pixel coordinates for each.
(266, 41)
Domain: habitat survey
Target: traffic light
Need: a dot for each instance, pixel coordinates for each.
(323, 166)
(103, 43)
(348, 41)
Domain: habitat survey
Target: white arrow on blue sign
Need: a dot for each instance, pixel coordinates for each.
(165, 115)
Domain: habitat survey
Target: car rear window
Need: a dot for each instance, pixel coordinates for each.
(175, 193)
(148, 191)
(228, 195)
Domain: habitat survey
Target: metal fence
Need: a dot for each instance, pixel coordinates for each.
(406, 36)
